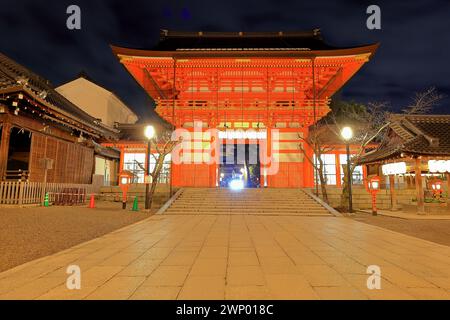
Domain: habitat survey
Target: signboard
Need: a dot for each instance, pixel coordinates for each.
(46, 163)
(239, 134)
(394, 168)
(438, 166)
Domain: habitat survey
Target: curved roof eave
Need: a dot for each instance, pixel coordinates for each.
(123, 51)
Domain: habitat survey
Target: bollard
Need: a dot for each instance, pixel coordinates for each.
(92, 202)
(46, 200)
(136, 205)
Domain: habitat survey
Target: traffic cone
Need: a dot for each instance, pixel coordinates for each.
(92, 202)
(136, 205)
(46, 201)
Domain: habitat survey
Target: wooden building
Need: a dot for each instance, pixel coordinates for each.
(415, 153)
(44, 136)
(255, 92)
(103, 104)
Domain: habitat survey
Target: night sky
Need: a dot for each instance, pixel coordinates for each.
(414, 52)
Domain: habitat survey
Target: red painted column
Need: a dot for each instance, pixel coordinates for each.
(338, 170)
(308, 168)
(269, 156)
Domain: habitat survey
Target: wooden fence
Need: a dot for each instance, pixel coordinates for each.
(22, 193)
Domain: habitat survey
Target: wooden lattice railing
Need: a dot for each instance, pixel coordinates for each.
(16, 175)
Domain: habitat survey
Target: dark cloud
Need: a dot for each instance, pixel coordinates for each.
(413, 55)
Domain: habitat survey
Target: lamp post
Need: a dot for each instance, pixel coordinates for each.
(149, 134)
(347, 135)
(374, 187)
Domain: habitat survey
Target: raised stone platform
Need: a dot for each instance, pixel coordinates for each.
(208, 201)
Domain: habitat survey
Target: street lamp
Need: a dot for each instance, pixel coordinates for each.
(347, 135)
(149, 134)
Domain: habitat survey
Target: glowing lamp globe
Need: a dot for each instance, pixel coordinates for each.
(149, 132)
(347, 133)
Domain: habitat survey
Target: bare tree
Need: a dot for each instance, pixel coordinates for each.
(164, 145)
(315, 141)
(370, 124)
(424, 101)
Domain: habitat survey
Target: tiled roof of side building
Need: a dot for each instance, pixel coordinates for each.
(416, 135)
(14, 76)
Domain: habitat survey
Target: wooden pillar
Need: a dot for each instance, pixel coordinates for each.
(4, 147)
(394, 206)
(419, 187)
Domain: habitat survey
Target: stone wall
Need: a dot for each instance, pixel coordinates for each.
(363, 200)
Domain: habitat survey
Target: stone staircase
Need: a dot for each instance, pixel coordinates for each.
(210, 201)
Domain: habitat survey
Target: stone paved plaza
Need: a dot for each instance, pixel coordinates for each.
(239, 257)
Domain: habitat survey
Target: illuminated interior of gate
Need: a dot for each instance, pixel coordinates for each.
(276, 84)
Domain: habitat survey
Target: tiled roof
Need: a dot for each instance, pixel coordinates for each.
(413, 135)
(305, 40)
(15, 78)
(106, 151)
(183, 41)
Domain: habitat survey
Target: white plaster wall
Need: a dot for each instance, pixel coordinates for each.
(97, 102)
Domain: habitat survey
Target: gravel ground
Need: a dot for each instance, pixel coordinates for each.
(34, 232)
(437, 231)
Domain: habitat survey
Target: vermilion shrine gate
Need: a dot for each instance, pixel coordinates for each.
(233, 82)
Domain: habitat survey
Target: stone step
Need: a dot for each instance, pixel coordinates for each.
(324, 213)
(250, 202)
(203, 201)
(243, 199)
(237, 207)
(246, 209)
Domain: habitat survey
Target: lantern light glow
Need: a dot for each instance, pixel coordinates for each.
(236, 185)
(149, 132)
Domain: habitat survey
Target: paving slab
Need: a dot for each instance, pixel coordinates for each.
(240, 257)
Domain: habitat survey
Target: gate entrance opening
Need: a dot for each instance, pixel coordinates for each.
(240, 166)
